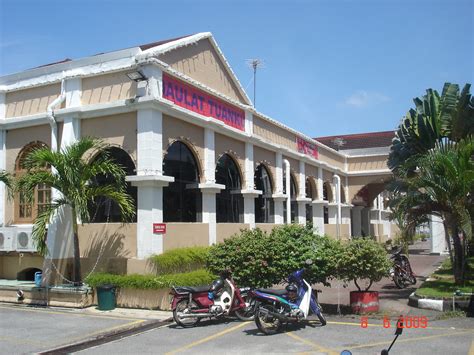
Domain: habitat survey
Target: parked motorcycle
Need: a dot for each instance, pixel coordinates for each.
(293, 304)
(401, 272)
(221, 298)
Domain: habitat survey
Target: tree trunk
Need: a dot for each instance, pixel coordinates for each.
(77, 278)
(458, 257)
(448, 241)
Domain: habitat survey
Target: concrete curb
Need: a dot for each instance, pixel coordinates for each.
(107, 337)
(435, 304)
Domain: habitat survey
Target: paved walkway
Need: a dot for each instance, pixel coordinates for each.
(392, 299)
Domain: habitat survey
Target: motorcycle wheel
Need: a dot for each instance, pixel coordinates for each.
(247, 313)
(412, 279)
(266, 323)
(399, 281)
(184, 306)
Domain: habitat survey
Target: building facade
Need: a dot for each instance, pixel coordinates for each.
(201, 162)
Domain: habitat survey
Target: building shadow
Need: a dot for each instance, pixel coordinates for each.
(105, 252)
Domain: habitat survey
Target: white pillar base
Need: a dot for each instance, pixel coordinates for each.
(318, 216)
(278, 201)
(249, 206)
(209, 192)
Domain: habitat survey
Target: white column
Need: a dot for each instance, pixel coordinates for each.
(209, 189)
(249, 123)
(278, 197)
(249, 169)
(149, 181)
(357, 221)
(150, 210)
(302, 180)
(302, 199)
(153, 86)
(438, 239)
(318, 216)
(149, 142)
(249, 193)
(73, 89)
(319, 183)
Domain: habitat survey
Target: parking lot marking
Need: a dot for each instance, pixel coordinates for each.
(66, 313)
(315, 346)
(209, 338)
(22, 341)
(427, 337)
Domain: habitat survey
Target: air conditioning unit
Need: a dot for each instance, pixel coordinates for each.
(24, 242)
(7, 238)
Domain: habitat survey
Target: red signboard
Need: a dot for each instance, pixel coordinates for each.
(159, 228)
(307, 148)
(198, 101)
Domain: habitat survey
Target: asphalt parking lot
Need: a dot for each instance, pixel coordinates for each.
(31, 330)
(443, 337)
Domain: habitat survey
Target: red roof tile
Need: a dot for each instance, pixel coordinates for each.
(358, 141)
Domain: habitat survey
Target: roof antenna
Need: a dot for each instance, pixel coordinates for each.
(339, 142)
(255, 64)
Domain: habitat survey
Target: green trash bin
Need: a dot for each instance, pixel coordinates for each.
(106, 297)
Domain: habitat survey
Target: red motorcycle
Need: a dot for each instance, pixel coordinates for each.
(220, 299)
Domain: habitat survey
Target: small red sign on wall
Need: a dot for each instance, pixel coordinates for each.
(159, 228)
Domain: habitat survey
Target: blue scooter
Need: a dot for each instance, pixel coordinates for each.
(291, 305)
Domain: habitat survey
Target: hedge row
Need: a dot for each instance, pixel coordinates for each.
(260, 259)
(180, 260)
(136, 281)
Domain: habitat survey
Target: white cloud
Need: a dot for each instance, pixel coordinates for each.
(362, 98)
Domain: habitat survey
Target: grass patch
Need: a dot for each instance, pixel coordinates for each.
(451, 314)
(442, 284)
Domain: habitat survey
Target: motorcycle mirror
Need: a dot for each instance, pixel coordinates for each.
(346, 352)
(308, 262)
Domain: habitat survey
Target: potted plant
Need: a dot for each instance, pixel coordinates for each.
(363, 259)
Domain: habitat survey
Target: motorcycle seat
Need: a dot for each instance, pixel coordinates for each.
(272, 291)
(191, 289)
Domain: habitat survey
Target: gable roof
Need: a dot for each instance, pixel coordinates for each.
(359, 141)
(114, 60)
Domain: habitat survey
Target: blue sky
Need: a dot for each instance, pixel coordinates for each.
(331, 67)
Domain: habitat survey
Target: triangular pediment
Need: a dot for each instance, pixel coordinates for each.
(202, 62)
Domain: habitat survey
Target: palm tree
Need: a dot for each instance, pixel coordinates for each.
(71, 175)
(426, 145)
(434, 118)
(443, 185)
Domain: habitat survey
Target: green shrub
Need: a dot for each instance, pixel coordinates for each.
(180, 260)
(363, 259)
(136, 281)
(261, 260)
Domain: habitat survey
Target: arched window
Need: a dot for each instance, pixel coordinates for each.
(309, 206)
(229, 202)
(181, 198)
(326, 198)
(294, 203)
(103, 209)
(264, 208)
(26, 212)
